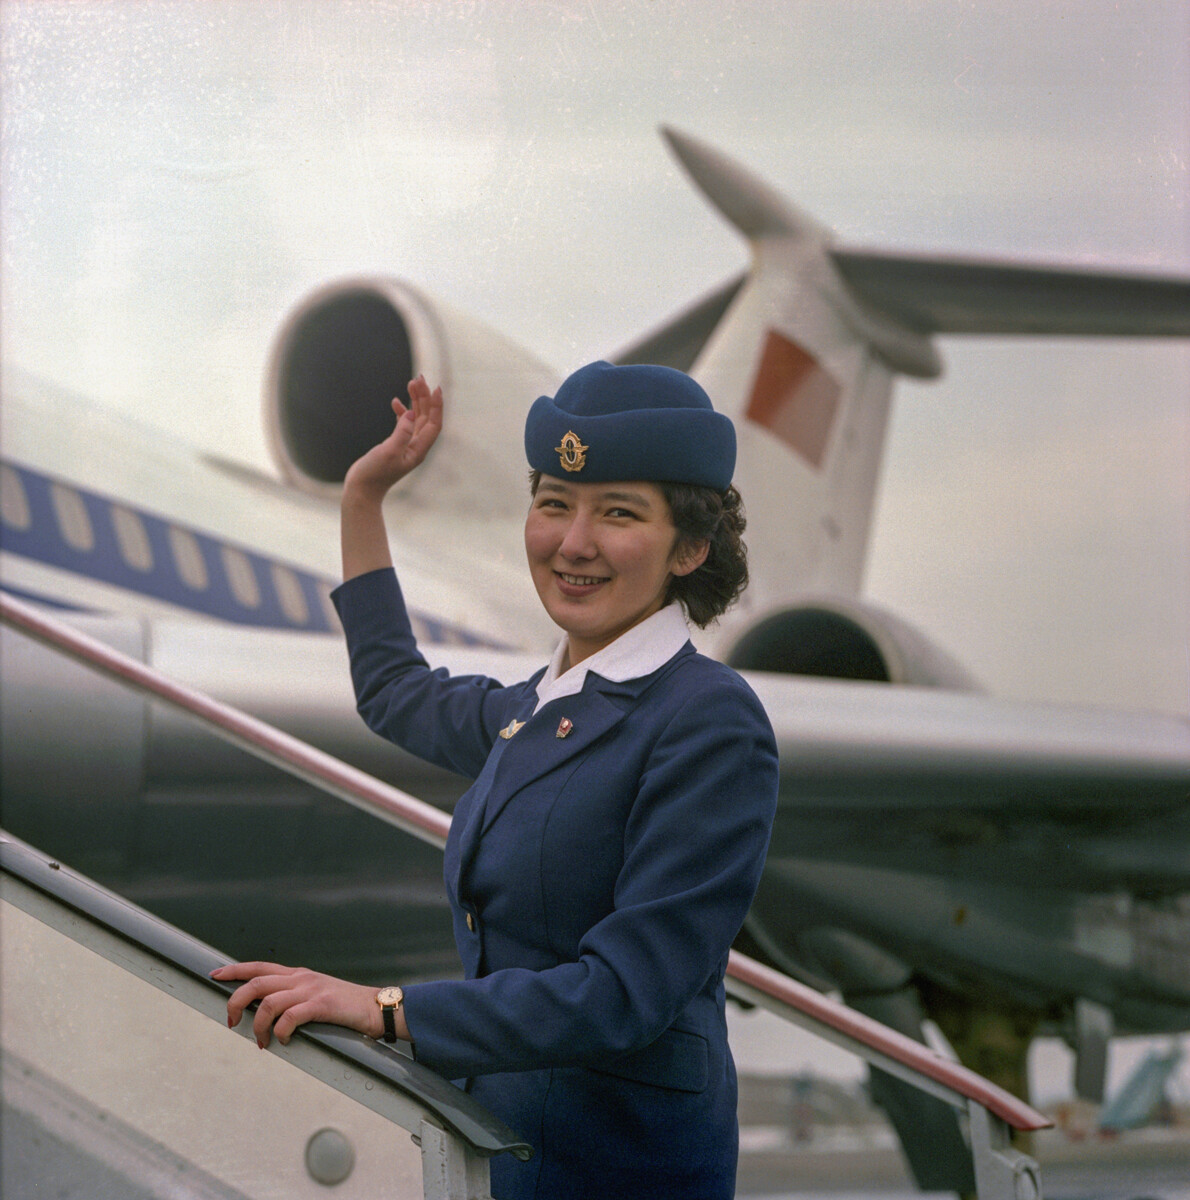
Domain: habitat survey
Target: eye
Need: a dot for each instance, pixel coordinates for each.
(550, 502)
(620, 513)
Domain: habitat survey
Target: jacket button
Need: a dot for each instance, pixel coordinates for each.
(471, 922)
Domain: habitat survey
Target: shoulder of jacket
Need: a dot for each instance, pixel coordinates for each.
(702, 679)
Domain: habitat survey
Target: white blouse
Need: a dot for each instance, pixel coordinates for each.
(637, 651)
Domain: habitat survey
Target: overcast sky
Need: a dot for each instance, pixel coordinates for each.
(175, 175)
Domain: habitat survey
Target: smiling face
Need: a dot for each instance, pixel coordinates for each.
(601, 556)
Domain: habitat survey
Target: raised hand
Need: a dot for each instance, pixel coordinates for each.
(416, 430)
(365, 543)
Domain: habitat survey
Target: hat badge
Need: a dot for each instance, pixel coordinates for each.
(572, 453)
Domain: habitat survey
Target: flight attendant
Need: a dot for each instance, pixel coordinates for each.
(605, 856)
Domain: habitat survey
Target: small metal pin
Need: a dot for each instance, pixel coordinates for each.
(511, 728)
(565, 725)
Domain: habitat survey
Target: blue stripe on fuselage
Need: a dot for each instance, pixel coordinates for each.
(41, 539)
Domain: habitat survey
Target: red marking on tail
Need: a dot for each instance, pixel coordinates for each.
(794, 398)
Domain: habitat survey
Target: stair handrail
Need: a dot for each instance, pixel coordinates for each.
(746, 978)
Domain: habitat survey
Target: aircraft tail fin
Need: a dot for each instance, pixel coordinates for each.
(805, 370)
(801, 350)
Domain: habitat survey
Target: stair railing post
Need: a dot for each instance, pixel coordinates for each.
(450, 1169)
(1001, 1173)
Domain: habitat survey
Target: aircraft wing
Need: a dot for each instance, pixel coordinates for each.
(947, 782)
(953, 782)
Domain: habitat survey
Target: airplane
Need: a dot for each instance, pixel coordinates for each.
(1001, 869)
(1144, 1097)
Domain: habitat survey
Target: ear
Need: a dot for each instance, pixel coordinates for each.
(690, 556)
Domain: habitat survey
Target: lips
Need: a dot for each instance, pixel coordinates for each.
(578, 585)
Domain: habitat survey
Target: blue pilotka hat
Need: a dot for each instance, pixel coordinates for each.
(610, 423)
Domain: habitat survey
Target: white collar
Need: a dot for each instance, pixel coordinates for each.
(637, 651)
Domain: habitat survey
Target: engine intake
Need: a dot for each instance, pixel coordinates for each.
(337, 361)
(349, 347)
(340, 366)
(833, 638)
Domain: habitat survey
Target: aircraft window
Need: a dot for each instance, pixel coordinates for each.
(332, 614)
(74, 523)
(289, 592)
(241, 576)
(14, 504)
(192, 567)
(133, 540)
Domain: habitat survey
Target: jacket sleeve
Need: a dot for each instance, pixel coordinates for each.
(451, 721)
(695, 844)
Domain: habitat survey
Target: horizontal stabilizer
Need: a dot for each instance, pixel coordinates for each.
(751, 205)
(679, 342)
(955, 295)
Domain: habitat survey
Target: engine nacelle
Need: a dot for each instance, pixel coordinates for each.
(835, 638)
(348, 348)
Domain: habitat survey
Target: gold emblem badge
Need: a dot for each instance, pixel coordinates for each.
(511, 728)
(572, 453)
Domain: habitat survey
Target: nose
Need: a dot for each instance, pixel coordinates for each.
(579, 543)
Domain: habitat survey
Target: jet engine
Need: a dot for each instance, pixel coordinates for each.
(832, 637)
(343, 353)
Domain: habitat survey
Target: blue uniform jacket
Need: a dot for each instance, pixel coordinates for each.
(597, 881)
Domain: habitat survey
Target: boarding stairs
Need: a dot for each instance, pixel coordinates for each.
(204, 1115)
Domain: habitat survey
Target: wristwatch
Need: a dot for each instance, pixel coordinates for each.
(390, 999)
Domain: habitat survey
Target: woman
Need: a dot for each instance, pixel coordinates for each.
(606, 854)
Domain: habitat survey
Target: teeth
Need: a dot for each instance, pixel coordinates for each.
(579, 580)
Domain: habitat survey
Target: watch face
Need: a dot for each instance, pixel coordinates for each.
(389, 996)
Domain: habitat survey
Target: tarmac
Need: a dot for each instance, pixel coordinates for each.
(1151, 1164)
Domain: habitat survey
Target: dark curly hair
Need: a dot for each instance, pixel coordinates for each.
(703, 514)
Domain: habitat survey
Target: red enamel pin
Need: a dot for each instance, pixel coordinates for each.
(565, 725)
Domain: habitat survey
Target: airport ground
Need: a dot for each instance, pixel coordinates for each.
(816, 1137)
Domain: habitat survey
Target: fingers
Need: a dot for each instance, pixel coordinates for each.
(418, 390)
(427, 417)
(262, 977)
(414, 432)
(417, 425)
(290, 996)
(288, 1021)
(249, 970)
(426, 405)
(279, 1012)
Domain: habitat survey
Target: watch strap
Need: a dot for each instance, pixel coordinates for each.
(387, 1012)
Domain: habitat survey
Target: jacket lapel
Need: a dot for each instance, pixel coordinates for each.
(479, 791)
(536, 749)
